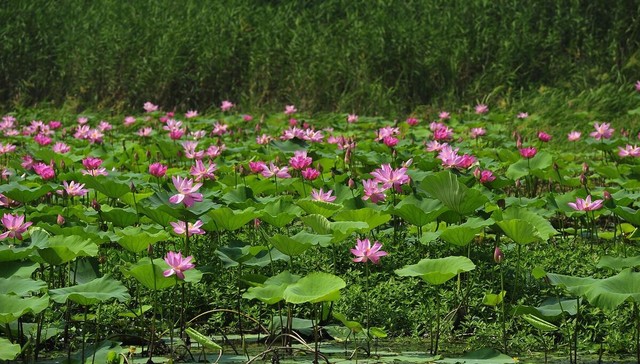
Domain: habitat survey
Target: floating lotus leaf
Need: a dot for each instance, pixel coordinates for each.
(97, 291)
(12, 307)
(482, 356)
(445, 187)
(20, 286)
(314, 288)
(8, 351)
(135, 239)
(437, 271)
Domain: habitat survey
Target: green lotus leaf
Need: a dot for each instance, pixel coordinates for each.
(9, 253)
(521, 168)
(462, 234)
(481, 356)
(373, 218)
(299, 243)
(12, 307)
(91, 232)
(137, 239)
(238, 252)
(20, 286)
(201, 339)
(279, 213)
(492, 299)
(325, 209)
(107, 185)
(225, 218)
(445, 187)
(17, 269)
(97, 291)
(418, 212)
(539, 323)
(354, 326)
(272, 290)
(437, 271)
(60, 249)
(24, 194)
(120, 217)
(575, 285)
(314, 288)
(520, 231)
(618, 263)
(8, 351)
(318, 223)
(630, 215)
(611, 292)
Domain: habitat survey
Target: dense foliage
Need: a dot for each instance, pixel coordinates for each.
(366, 56)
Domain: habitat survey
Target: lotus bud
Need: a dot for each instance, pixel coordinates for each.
(585, 168)
(351, 183)
(60, 220)
(96, 205)
(148, 154)
(583, 179)
(607, 195)
(132, 187)
(498, 256)
(150, 250)
(555, 166)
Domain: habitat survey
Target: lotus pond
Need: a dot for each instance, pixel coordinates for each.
(469, 236)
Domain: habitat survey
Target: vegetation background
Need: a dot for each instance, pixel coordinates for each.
(370, 57)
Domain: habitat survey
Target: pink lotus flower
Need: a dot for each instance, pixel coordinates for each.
(442, 132)
(373, 191)
(637, 86)
(603, 131)
(54, 124)
(180, 228)
(544, 137)
(386, 132)
(150, 107)
(61, 148)
(390, 177)
(573, 136)
(191, 114)
(263, 139)
(528, 152)
(92, 166)
(104, 126)
(435, 146)
(202, 171)
(484, 176)
(226, 105)
(390, 141)
(451, 159)
(310, 174)
(364, 252)
(320, 195)
(82, 120)
(352, 118)
(477, 132)
(412, 121)
(45, 171)
(522, 115)
(247, 117)
(290, 109)
(186, 191)
(73, 189)
(42, 139)
(629, 151)
(586, 204)
(178, 264)
(145, 132)
(7, 148)
(129, 120)
(481, 109)
(300, 160)
(15, 226)
(215, 150)
(219, 129)
(257, 167)
(444, 115)
(157, 170)
(176, 134)
(273, 170)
